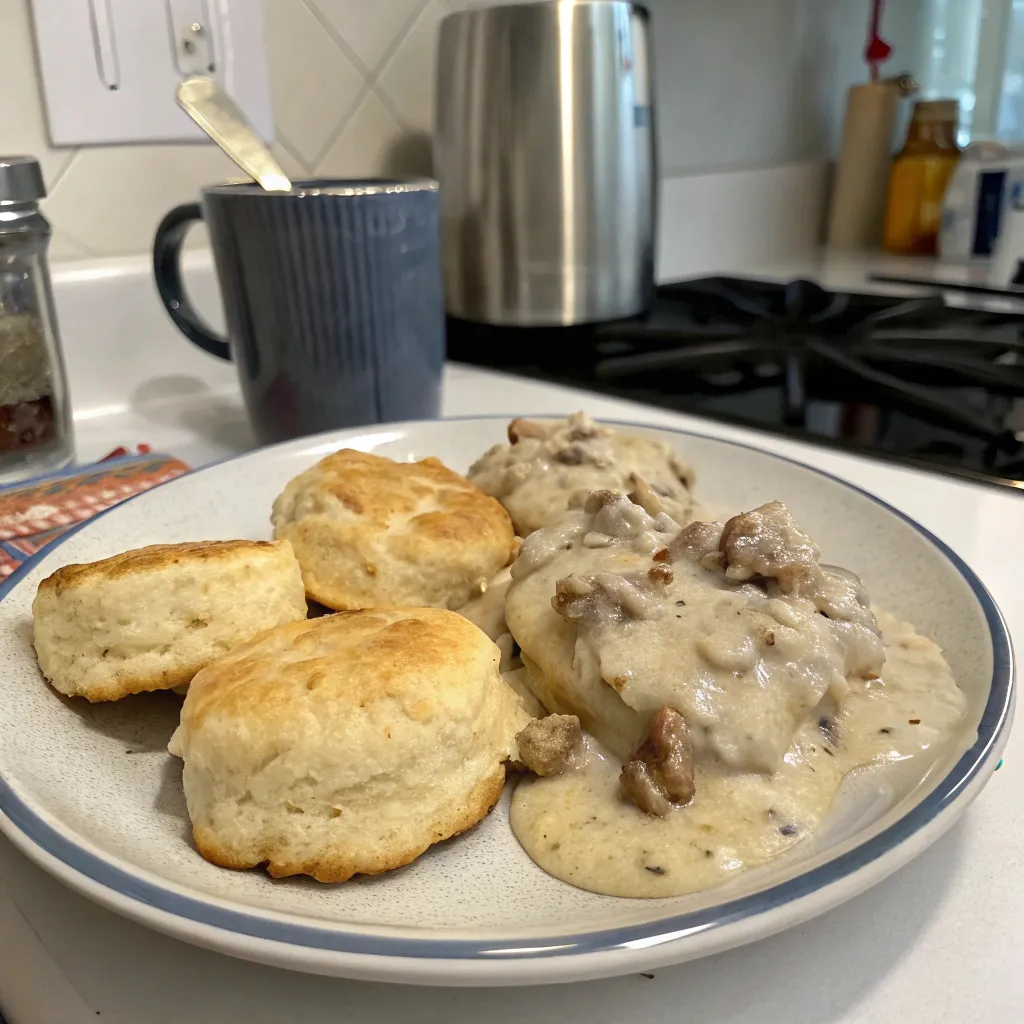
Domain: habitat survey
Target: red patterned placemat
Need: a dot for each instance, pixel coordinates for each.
(34, 514)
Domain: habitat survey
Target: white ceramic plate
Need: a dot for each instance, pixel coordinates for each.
(89, 792)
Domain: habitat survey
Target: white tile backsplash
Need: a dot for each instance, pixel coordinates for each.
(733, 84)
(314, 86)
(112, 197)
(407, 79)
(740, 84)
(757, 83)
(369, 38)
(22, 124)
(741, 221)
(369, 142)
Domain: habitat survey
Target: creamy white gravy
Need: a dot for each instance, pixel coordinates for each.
(577, 826)
(487, 610)
(742, 662)
(549, 468)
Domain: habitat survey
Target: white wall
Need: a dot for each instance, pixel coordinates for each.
(741, 85)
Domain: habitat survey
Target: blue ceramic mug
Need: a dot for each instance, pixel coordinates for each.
(332, 298)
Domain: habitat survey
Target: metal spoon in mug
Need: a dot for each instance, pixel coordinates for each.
(218, 115)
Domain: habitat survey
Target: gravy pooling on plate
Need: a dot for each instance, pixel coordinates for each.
(775, 665)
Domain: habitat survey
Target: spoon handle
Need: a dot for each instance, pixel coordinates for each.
(217, 114)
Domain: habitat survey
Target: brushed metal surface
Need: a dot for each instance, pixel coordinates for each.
(545, 150)
(220, 117)
(21, 181)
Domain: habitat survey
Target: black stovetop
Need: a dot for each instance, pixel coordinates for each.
(915, 380)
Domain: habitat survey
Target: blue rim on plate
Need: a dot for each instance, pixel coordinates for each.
(993, 721)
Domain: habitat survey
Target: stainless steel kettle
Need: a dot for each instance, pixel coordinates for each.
(544, 146)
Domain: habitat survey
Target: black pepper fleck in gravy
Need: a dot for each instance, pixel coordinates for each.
(829, 729)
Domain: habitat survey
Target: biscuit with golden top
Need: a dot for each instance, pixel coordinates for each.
(346, 744)
(150, 618)
(372, 533)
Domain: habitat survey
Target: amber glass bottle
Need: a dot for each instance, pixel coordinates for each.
(919, 176)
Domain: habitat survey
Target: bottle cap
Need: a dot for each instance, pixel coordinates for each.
(21, 180)
(937, 110)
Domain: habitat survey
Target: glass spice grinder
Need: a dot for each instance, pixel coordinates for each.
(35, 415)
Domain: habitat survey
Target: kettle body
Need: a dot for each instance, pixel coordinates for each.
(544, 147)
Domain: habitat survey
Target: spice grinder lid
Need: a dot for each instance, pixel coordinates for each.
(21, 180)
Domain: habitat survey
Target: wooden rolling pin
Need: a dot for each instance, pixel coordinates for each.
(857, 209)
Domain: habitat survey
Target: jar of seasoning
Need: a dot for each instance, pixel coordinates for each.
(35, 415)
(919, 176)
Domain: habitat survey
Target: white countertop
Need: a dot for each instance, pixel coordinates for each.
(940, 941)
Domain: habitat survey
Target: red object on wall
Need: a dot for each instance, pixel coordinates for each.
(878, 50)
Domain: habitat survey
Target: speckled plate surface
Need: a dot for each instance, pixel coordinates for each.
(89, 792)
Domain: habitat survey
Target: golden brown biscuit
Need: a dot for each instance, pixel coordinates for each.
(149, 619)
(346, 744)
(372, 533)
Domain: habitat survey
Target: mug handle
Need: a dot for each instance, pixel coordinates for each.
(167, 269)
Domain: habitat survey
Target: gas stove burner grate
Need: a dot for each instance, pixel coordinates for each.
(903, 352)
(914, 380)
